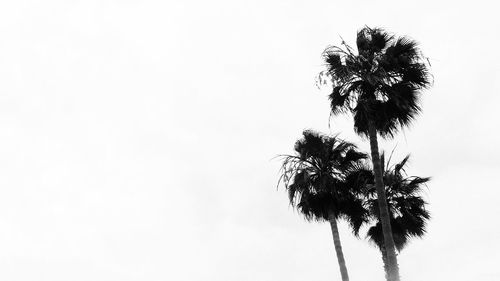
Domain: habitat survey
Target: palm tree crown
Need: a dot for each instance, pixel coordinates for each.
(379, 84)
(317, 179)
(407, 211)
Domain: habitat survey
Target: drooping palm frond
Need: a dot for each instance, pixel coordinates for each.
(353, 211)
(400, 237)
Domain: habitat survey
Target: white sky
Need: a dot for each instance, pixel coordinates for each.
(136, 139)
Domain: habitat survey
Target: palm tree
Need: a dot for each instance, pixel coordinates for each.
(407, 210)
(380, 86)
(317, 180)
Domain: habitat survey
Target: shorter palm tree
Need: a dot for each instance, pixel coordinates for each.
(318, 178)
(407, 212)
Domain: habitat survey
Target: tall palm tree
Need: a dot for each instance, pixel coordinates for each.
(317, 180)
(380, 86)
(407, 210)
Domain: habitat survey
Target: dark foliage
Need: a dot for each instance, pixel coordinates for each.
(382, 82)
(407, 211)
(319, 179)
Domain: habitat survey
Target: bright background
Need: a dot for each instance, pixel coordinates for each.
(137, 137)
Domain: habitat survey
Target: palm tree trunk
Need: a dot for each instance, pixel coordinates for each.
(338, 248)
(392, 263)
(384, 260)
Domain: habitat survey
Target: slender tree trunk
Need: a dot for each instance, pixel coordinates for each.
(392, 263)
(338, 248)
(384, 260)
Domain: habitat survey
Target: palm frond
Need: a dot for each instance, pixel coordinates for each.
(363, 39)
(417, 75)
(405, 50)
(354, 212)
(380, 39)
(351, 159)
(398, 168)
(338, 101)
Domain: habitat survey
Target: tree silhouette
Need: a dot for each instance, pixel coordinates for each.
(407, 210)
(318, 180)
(380, 86)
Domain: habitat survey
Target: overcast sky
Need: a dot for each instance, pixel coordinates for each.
(137, 137)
